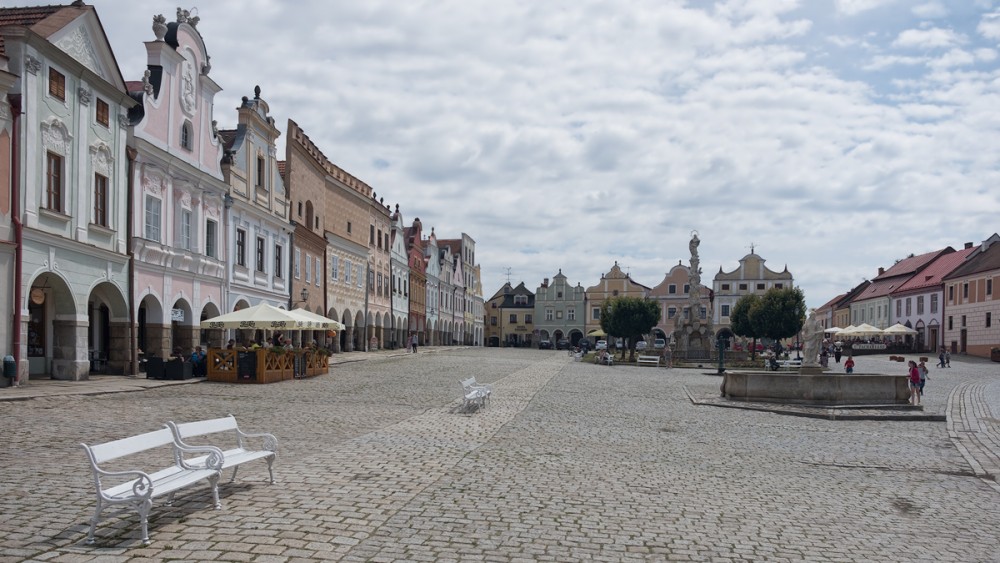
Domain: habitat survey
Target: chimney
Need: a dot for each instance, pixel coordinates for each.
(881, 270)
(968, 245)
(545, 283)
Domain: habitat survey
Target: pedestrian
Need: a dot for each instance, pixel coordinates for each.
(923, 376)
(413, 342)
(232, 344)
(837, 351)
(940, 363)
(849, 364)
(914, 383)
(947, 358)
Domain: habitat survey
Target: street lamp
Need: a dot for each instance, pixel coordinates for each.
(304, 295)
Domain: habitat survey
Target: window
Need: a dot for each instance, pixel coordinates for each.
(520, 299)
(989, 286)
(963, 321)
(185, 234)
(380, 240)
(951, 293)
(187, 142)
(899, 307)
(965, 290)
(558, 294)
(687, 288)
(671, 289)
(241, 247)
(527, 319)
(380, 275)
(359, 278)
(308, 268)
(934, 303)
(103, 112)
(950, 324)
(348, 225)
(989, 319)
(57, 84)
(278, 268)
(909, 306)
(300, 210)
(493, 321)
(211, 232)
(387, 241)
(704, 313)
(260, 171)
(725, 287)
(671, 313)
(743, 287)
(260, 254)
(309, 214)
(595, 313)
(334, 267)
(725, 310)
(100, 200)
(347, 271)
(571, 314)
(779, 285)
(319, 269)
(549, 314)
(371, 235)
(54, 182)
(152, 218)
(920, 304)
(371, 279)
(513, 318)
(760, 287)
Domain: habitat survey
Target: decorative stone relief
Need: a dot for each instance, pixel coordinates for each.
(79, 46)
(207, 66)
(123, 120)
(187, 86)
(32, 65)
(101, 159)
(185, 199)
(212, 210)
(184, 16)
(159, 27)
(83, 94)
(147, 85)
(55, 136)
(152, 182)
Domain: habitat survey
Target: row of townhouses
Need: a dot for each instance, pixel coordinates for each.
(945, 295)
(558, 310)
(127, 216)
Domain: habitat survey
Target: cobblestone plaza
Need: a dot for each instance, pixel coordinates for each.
(570, 461)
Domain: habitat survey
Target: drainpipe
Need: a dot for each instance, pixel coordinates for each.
(133, 330)
(15, 213)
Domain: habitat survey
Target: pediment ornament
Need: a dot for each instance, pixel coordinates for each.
(78, 45)
(55, 136)
(152, 182)
(101, 159)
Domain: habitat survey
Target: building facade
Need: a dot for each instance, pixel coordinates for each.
(399, 282)
(257, 227)
(510, 321)
(416, 270)
(559, 310)
(970, 306)
(66, 145)
(615, 283)
(752, 276)
(178, 209)
(919, 302)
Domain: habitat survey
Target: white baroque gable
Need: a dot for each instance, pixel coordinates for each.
(55, 136)
(78, 45)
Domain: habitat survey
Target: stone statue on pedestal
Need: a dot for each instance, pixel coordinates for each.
(812, 332)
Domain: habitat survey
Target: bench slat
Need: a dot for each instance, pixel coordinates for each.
(131, 445)
(203, 427)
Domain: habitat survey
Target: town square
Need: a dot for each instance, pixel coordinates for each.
(568, 461)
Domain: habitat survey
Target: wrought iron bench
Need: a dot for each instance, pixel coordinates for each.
(475, 393)
(232, 457)
(648, 361)
(138, 488)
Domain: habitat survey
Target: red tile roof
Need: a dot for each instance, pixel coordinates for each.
(23, 17)
(938, 269)
(912, 264)
(985, 260)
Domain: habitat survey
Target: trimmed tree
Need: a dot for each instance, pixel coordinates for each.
(741, 320)
(629, 317)
(781, 314)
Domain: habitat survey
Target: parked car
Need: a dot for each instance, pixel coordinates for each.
(619, 343)
(601, 345)
(640, 345)
(544, 344)
(659, 344)
(562, 344)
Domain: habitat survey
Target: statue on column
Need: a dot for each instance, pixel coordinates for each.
(812, 332)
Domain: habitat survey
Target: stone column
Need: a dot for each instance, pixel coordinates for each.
(69, 350)
(119, 349)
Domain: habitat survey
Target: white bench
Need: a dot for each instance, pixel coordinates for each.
(234, 457)
(475, 393)
(788, 364)
(138, 488)
(648, 361)
(608, 361)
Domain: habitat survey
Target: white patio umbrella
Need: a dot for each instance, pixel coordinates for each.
(262, 316)
(833, 330)
(863, 329)
(899, 330)
(325, 323)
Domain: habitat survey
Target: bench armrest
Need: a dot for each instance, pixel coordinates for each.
(213, 461)
(141, 488)
(270, 442)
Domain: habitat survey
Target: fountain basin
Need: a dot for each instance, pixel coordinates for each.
(816, 389)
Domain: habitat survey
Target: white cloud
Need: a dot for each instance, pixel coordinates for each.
(930, 10)
(933, 38)
(574, 134)
(989, 26)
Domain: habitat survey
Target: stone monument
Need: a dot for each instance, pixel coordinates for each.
(693, 336)
(812, 332)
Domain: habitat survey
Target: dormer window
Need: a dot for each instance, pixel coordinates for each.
(260, 172)
(187, 136)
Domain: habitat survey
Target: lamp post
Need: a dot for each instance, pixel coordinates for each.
(304, 295)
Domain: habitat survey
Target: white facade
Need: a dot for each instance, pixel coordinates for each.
(400, 281)
(71, 179)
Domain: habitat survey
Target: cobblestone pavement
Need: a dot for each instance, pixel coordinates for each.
(570, 461)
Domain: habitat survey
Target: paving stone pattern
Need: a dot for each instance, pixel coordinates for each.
(569, 461)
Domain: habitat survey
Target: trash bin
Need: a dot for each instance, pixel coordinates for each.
(9, 371)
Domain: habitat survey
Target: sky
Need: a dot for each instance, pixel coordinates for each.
(832, 136)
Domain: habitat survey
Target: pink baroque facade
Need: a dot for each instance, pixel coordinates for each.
(178, 238)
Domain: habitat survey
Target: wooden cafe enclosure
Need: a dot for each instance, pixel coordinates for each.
(272, 363)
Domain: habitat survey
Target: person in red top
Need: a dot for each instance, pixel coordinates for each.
(914, 383)
(849, 364)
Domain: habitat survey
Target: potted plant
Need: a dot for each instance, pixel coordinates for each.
(995, 353)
